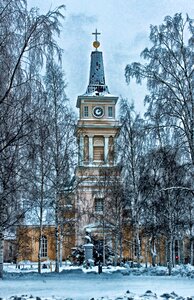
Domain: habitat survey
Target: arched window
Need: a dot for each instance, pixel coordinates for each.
(44, 248)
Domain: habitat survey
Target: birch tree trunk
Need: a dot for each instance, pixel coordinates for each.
(104, 246)
(116, 250)
(170, 257)
(153, 251)
(61, 247)
(57, 235)
(41, 216)
(120, 245)
(1, 252)
(166, 253)
(40, 251)
(40, 243)
(181, 251)
(173, 253)
(191, 252)
(146, 253)
(138, 246)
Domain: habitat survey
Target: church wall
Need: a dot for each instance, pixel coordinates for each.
(130, 247)
(180, 255)
(28, 243)
(84, 212)
(10, 250)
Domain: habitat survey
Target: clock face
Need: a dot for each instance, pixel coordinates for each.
(98, 112)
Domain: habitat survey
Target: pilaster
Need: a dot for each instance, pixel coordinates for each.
(106, 143)
(81, 150)
(90, 149)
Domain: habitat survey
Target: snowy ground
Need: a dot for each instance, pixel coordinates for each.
(85, 284)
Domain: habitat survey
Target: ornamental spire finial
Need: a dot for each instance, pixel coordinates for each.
(96, 43)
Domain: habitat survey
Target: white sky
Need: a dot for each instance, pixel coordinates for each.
(124, 27)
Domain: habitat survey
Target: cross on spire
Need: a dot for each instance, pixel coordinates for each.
(96, 33)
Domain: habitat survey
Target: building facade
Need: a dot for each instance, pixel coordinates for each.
(95, 210)
(97, 131)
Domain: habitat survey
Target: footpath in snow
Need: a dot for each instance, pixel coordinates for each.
(78, 283)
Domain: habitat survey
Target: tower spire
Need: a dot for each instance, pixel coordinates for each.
(97, 78)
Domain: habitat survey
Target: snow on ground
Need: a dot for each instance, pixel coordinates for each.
(113, 283)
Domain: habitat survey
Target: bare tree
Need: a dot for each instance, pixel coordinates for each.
(169, 75)
(132, 149)
(41, 170)
(62, 124)
(25, 38)
(166, 208)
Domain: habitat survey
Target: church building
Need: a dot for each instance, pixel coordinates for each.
(97, 130)
(94, 212)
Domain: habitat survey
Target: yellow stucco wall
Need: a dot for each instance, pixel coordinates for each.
(28, 242)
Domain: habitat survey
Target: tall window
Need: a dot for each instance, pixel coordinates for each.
(110, 111)
(98, 148)
(10, 251)
(86, 111)
(44, 250)
(99, 205)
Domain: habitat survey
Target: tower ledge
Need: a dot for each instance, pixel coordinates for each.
(100, 97)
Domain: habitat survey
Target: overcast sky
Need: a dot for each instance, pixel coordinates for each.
(124, 27)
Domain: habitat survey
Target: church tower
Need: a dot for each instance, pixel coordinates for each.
(97, 130)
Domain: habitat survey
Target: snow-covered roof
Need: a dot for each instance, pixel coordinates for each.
(32, 216)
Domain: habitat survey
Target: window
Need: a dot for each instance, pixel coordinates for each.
(85, 111)
(110, 111)
(99, 205)
(99, 154)
(10, 251)
(44, 247)
(98, 149)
